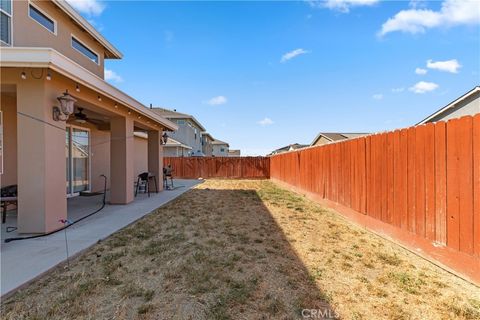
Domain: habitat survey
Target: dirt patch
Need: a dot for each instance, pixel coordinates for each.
(249, 250)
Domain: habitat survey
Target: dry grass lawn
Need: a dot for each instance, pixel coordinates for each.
(245, 250)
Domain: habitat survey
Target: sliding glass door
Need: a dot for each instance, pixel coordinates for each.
(78, 160)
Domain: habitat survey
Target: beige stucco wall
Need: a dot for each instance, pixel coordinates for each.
(140, 146)
(321, 141)
(27, 32)
(9, 111)
(217, 150)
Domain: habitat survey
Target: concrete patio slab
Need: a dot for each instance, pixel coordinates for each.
(22, 261)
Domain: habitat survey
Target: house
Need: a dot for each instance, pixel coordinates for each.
(207, 147)
(328, 137)
(189, 131)
(172, 148)
(63, 125)
(468, 104)
(290, 147)
(219, 148)
(234, 153)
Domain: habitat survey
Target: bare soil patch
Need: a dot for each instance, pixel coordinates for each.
(242, 249)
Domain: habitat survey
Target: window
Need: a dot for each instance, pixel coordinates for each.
(84, 50)
(222, 150)
(41, 18)
(6, 21)
(180, 121)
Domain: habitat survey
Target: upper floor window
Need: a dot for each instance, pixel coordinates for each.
(84, 50)
(180, 121)
(6, 21)
(42, 18)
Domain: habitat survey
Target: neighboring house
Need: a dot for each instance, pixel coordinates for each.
(468, 104)
(174, 148)
(234, 153)
(219, 148)
(328, 137)
(55, 147)
(207, 147)
(290, 147)
(189, 131)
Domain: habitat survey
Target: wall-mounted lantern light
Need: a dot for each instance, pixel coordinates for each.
(66, 107)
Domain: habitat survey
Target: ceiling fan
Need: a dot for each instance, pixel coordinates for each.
(81, 117)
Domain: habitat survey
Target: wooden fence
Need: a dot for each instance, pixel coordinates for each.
(423, 182)
(220, 167)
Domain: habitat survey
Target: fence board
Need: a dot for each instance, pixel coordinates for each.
(423, 180)
(220, 167)
(453, 188)
(476, 183)
(466, 185)
(441, 183)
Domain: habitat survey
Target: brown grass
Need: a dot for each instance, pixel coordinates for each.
(245, 250)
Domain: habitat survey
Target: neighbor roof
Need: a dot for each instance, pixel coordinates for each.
(111, 51)
(220, 142)
(293, 146)
(450, 105)
(170, 142)
(173, 114)
(337, 136)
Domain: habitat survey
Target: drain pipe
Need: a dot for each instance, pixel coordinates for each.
(68, 225)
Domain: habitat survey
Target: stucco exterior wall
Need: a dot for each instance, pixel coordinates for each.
(321, 141)
(27, 32)
(100, 159)
(8, 107)
(469, 106)
(140, 146)
(217, 150)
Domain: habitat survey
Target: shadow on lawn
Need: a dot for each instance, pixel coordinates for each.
(209, 254)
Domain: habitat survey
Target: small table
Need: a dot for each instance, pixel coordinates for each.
(5, 201)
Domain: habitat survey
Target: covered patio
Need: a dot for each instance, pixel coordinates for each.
(52, 159)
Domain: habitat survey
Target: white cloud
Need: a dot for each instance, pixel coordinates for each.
(292, 54)
(451, 66)
(112, 76)
(398, 90)
(377, 96)
(417, 4)
(453, 12)
(423, 87)
(216, 101)
(421, 71)
(89, 7)
(265, 122)
(341, 5)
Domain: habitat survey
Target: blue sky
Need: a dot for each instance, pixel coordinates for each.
(261, 75)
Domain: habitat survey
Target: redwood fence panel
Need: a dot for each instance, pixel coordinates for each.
(424, 181)
(219, 167)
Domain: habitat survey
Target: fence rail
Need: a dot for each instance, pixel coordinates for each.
(220, 167)
(422, 180)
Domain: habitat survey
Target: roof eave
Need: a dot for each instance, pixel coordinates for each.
(73, 14)
(50, 58)
(450, 105)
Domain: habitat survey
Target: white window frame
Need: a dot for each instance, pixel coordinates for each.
(70, 127)
(45, 14)
(72, 36)
(11, 24)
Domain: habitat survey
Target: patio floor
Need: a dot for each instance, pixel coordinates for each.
(22, 261)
